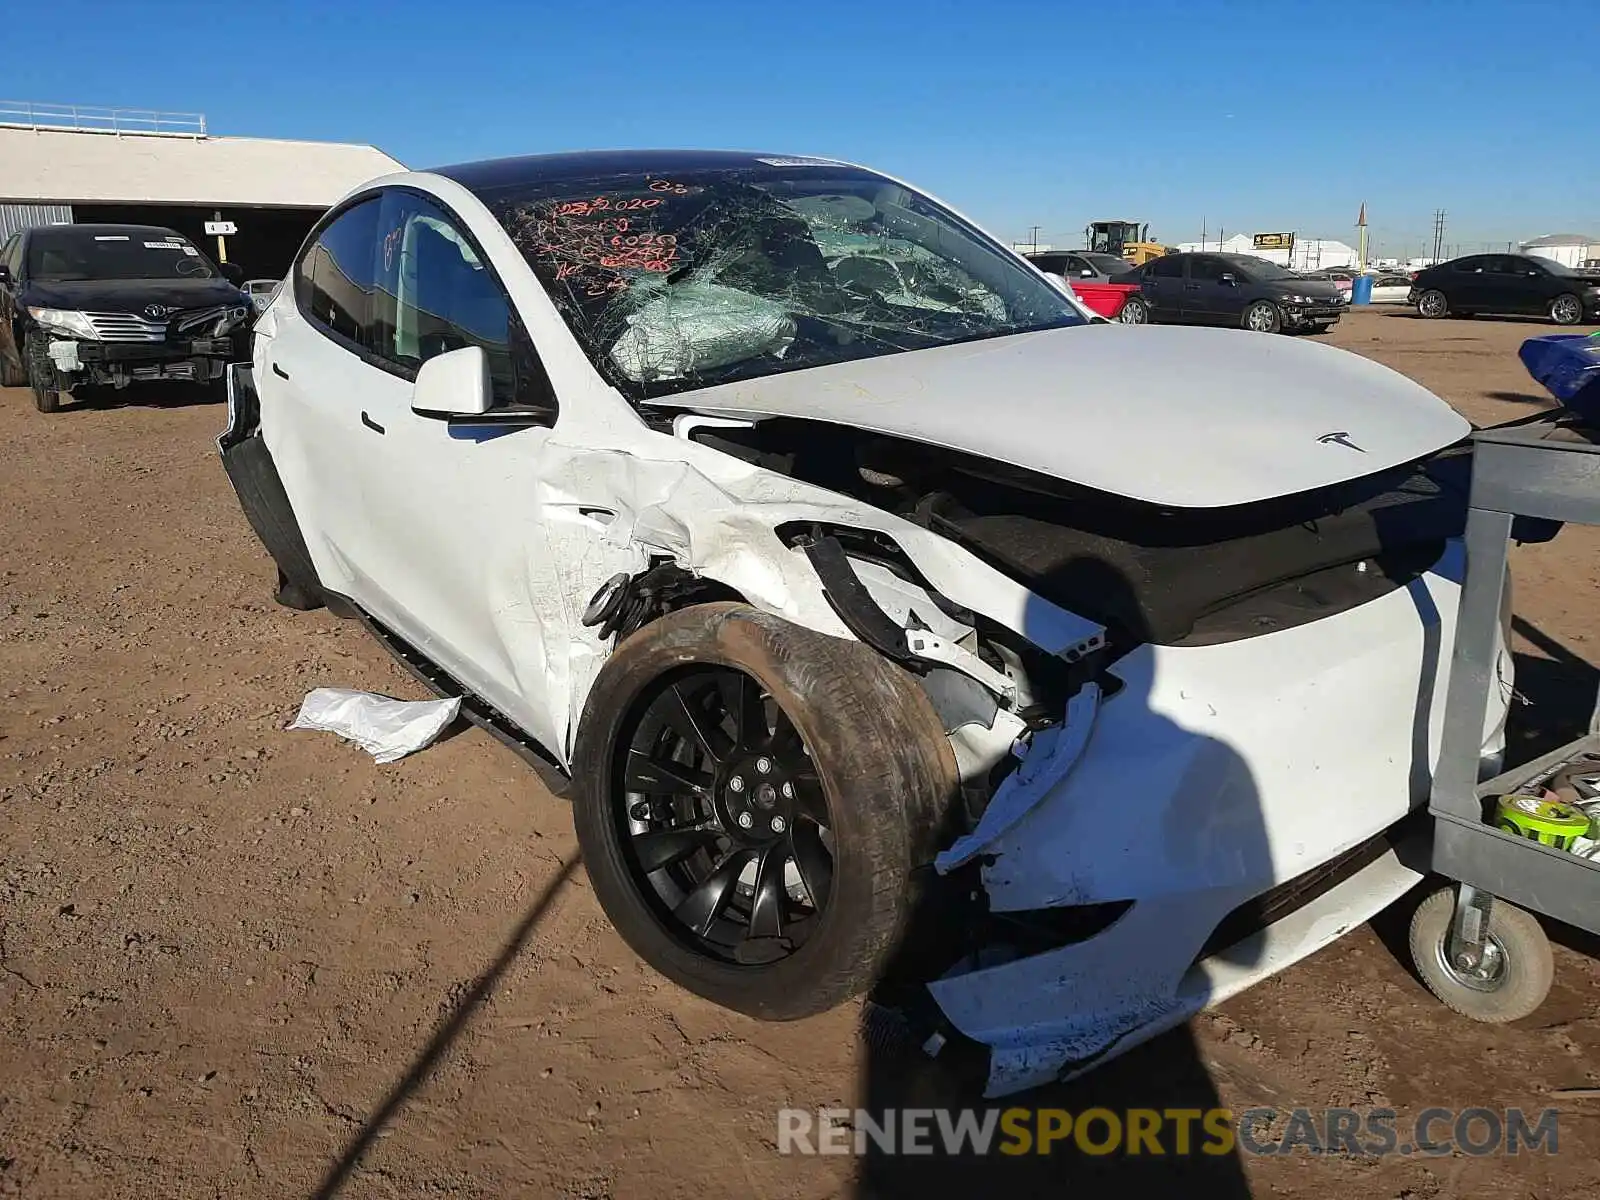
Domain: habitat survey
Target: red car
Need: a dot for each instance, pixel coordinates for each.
(1107, 299)
(1102, 281)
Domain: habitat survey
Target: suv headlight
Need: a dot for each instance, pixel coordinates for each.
(62, 320)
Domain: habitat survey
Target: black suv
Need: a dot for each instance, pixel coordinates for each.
(114, 304)
(1507, 283)
(1233, 289)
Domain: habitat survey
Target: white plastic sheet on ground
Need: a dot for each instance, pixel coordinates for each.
(385, 728)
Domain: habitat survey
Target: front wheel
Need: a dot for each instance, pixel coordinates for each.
(1432, 304)
(752, 799)
(1134, 312)
(1263, 317)
(1566, 310)
(42, 376)
(1509, 982)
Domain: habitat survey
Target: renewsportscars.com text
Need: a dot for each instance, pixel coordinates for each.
(1372, 1132)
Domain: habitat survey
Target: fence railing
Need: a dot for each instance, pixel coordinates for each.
(89, 118)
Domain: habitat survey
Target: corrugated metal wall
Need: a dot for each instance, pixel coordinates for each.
(20, 216)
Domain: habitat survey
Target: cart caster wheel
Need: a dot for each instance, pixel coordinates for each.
(1517, 968)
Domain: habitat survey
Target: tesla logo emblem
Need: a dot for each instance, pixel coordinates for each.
(1340, 439)
(156, 311)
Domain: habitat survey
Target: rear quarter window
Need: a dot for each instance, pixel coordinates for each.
(333, 281)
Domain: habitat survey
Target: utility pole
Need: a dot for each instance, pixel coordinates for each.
(1034, 239)
(1438, 234)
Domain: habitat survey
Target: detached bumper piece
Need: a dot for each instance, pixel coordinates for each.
(1312, 315)
(197, 360)
(155, 352)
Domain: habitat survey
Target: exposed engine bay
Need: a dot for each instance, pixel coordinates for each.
(1150, 574)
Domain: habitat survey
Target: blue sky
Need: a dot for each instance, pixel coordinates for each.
(1252, 115)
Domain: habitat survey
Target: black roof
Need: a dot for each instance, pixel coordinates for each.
(109, 230)
(496, 173)
(1235, 255)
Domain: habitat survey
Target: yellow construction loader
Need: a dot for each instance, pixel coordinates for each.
(1127, 239)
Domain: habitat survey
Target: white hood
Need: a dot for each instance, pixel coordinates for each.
(1188, 417)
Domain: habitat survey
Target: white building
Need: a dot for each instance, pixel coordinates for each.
(62, 164)
(1309, 254)
(1568, 249)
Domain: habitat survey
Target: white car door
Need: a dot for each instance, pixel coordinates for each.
(455, 557)
(310, 375)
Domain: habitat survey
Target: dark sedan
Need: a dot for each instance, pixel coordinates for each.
(1515, 284)
(1233, 289)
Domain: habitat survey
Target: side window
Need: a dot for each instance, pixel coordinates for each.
(1073, 266)
(1050, 264)
(434, 294)
(333, 281)
(1170, 267)
(9, 256)
(1470, 266)
(1208, 269)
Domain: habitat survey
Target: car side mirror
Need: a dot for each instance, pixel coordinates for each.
(453, 385)
(232, 272)
(1229, 278)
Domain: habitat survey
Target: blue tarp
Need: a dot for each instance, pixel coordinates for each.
(1568, 365)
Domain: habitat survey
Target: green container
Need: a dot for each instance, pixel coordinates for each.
(1548, 822)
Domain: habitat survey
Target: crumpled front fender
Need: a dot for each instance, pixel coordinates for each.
(717, 517)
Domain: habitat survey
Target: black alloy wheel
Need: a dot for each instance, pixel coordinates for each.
(756, 804)
(726, 822)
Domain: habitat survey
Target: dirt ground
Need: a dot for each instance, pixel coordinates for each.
(240, 962)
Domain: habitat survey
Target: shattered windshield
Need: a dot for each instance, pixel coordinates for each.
(63, 254)
(685, 282)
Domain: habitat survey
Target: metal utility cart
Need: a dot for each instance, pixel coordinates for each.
(1486, 958)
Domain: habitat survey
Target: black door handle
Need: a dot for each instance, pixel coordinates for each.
(1191, 287)
(370, 423)
(279, 371)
